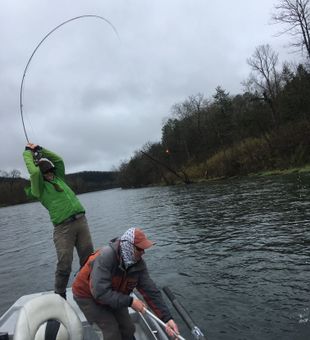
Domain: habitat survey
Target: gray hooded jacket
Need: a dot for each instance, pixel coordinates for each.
(110, 283)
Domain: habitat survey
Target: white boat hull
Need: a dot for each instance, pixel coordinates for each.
(146, 327)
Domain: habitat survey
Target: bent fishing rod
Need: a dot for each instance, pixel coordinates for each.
(37, 47)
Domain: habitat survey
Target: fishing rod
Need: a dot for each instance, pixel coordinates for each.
(196, 332)
(186, 180)
(35, 50)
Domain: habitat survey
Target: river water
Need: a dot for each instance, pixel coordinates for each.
(235, 252)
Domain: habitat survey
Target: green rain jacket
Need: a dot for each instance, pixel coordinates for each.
(61, 204)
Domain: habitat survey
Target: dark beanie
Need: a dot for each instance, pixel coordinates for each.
(45, 165)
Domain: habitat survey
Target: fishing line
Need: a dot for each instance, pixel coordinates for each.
(35, 50)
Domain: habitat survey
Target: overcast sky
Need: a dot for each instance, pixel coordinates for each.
(95, 98)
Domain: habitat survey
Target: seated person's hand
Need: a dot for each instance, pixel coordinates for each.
(138, 305)
(172, 328)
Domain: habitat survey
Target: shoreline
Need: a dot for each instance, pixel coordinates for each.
(276, 172)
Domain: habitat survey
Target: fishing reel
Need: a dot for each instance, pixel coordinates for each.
(36, 153)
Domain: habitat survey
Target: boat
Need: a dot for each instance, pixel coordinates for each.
(36, 309)
(47, 316)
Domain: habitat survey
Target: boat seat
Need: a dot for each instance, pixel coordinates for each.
(43, 308)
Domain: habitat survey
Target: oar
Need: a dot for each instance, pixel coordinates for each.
(197, 333)
(163, 324)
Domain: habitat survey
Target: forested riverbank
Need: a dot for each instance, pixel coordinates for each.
(263, 129)
(266, 127)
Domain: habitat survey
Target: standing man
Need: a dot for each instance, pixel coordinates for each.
(47, 177)
(102, 287)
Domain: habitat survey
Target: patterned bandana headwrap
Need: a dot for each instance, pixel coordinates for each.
(128, 248)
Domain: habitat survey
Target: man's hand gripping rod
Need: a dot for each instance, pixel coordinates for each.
(162, 323)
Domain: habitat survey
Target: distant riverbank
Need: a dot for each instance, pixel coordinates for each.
(14, 188)
(274, 172)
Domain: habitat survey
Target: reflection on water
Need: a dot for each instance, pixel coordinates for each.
(235, 252)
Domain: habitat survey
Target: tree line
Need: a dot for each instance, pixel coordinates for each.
(265, 127)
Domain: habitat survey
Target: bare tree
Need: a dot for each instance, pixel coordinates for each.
(4, 174)
(295, 14)
(15, 173)
(193, 104)
(265, 81)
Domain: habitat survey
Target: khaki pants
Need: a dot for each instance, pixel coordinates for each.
(115, 324)
(66, 237)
